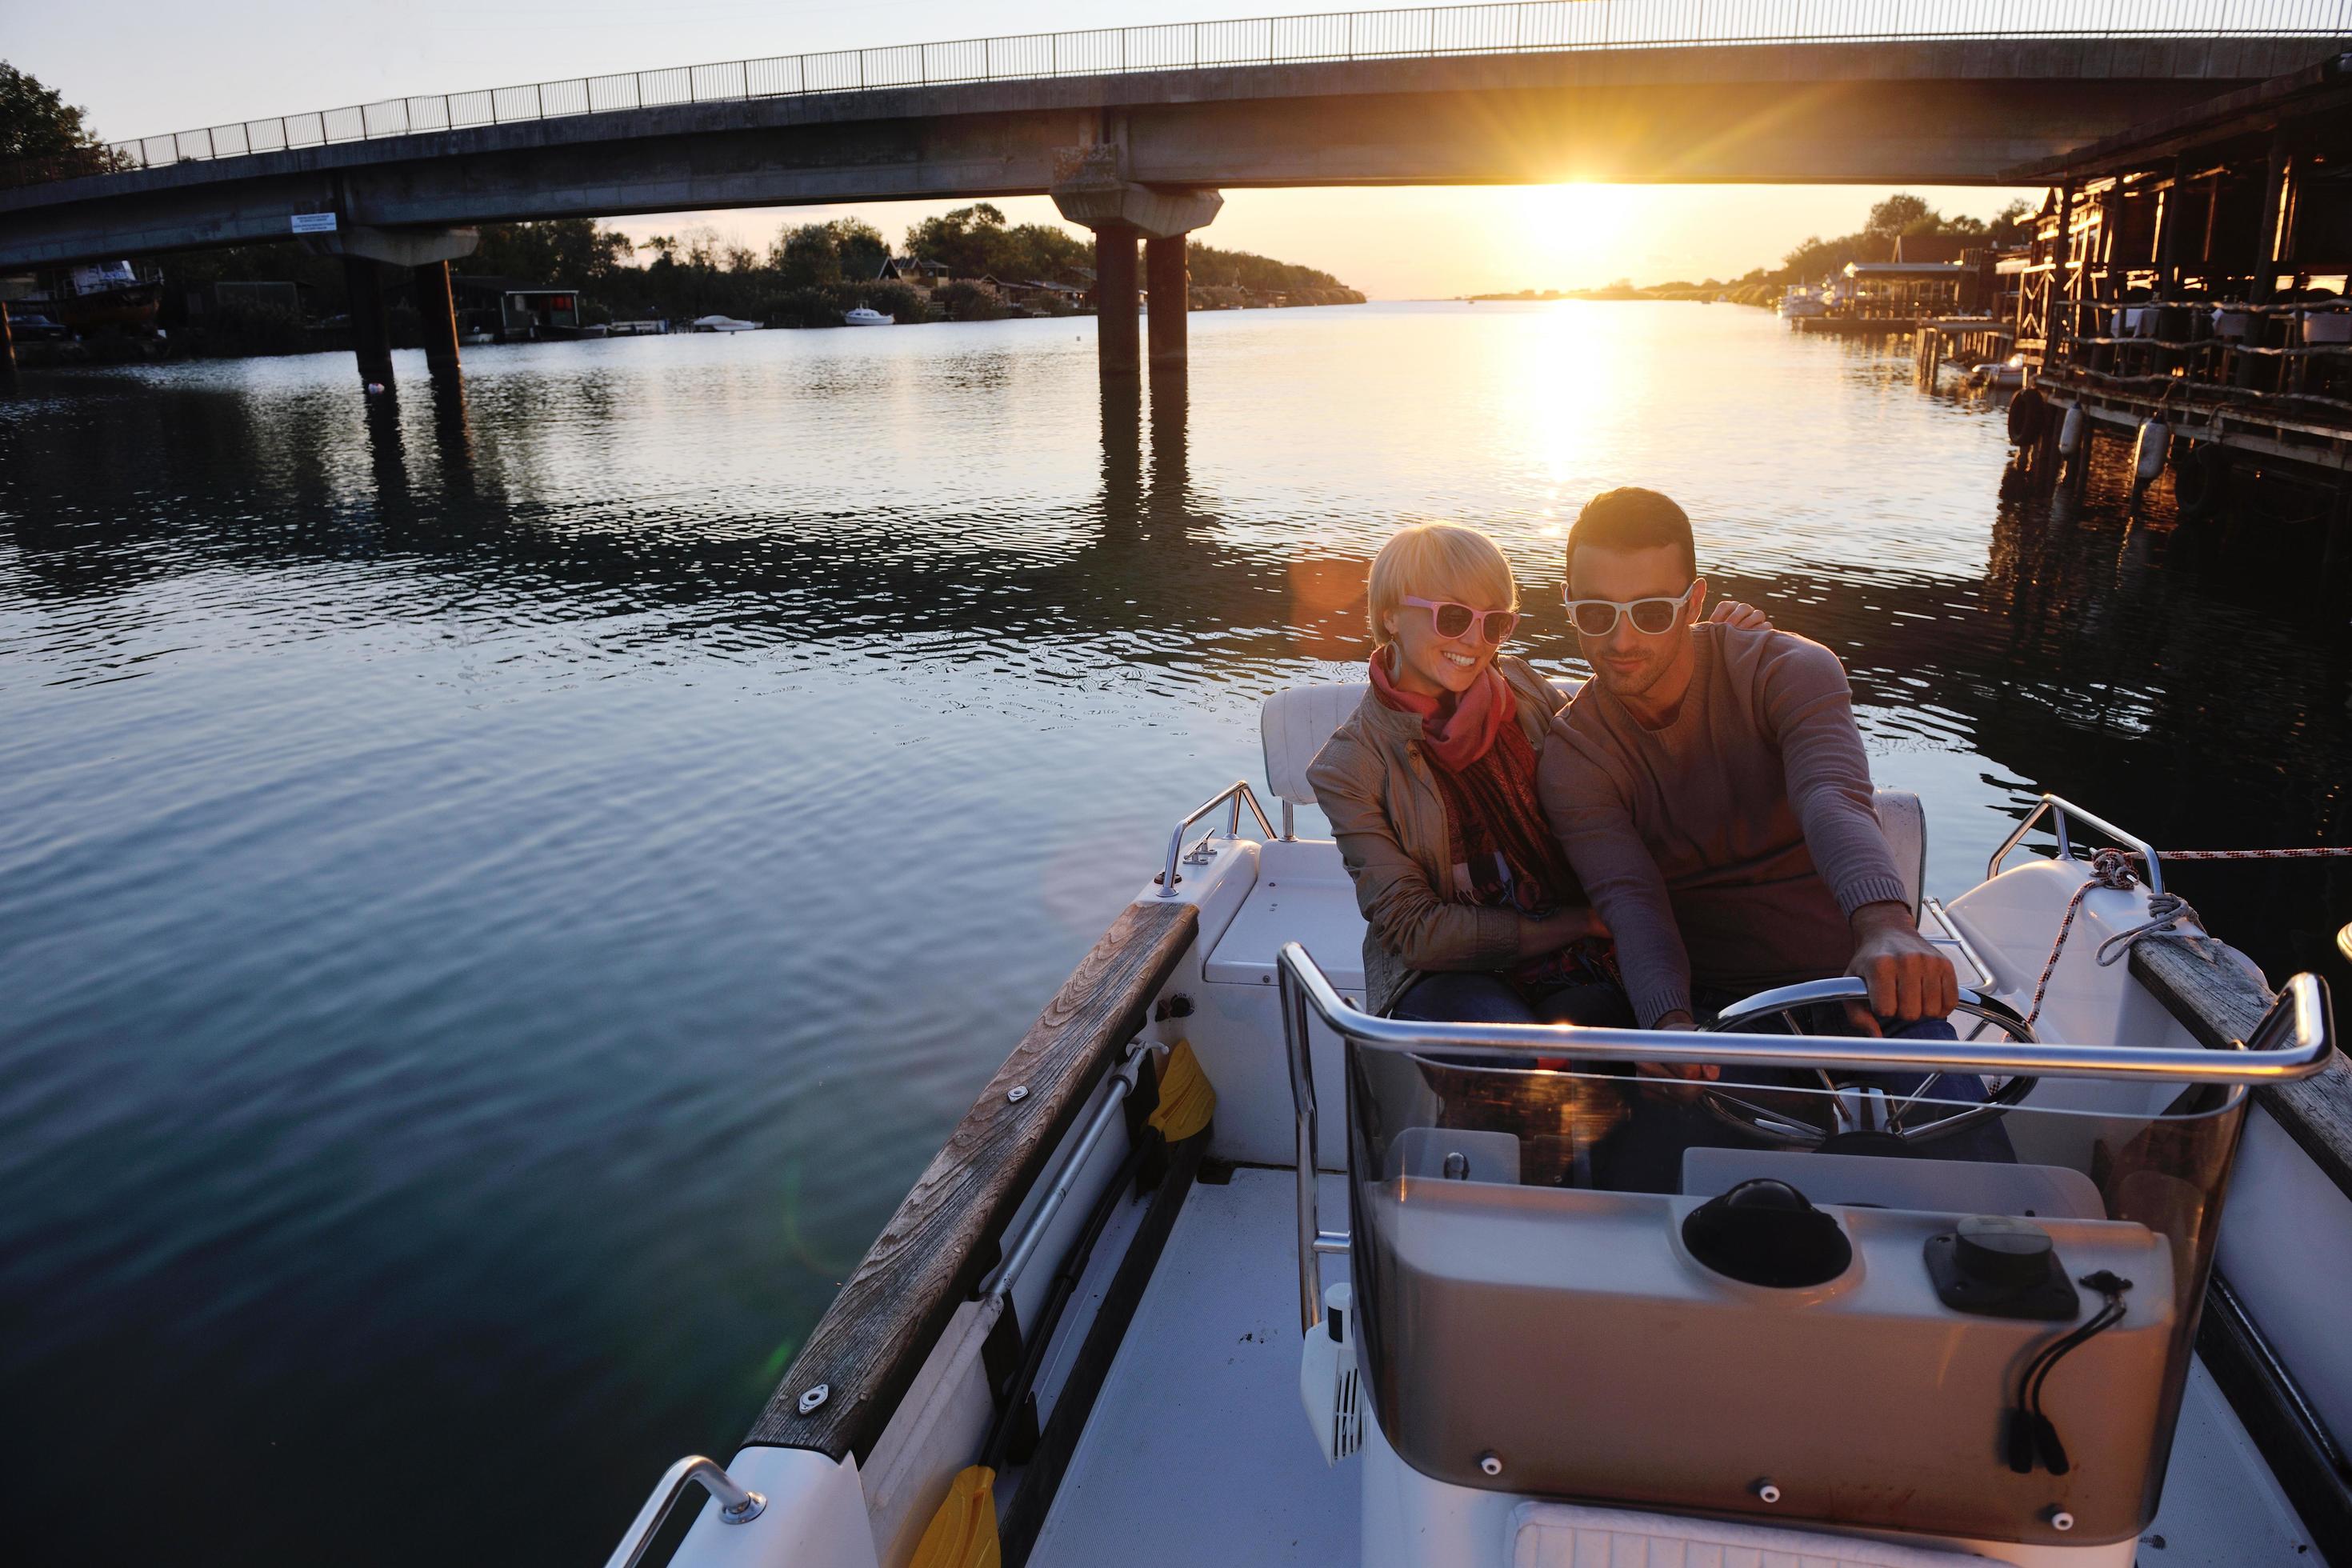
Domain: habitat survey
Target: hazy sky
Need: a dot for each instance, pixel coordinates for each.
(152, 66)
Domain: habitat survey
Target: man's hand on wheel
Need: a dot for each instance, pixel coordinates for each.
(1908, 979)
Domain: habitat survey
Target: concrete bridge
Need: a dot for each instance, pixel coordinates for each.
(1140, 153)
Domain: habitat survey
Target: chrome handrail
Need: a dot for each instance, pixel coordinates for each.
(1234, 794)
(2064, 809)
(737, 1505)
(1986, 979)
(2300, 1012)
(1023, 1248)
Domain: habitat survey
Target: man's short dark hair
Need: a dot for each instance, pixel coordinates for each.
(1630, 518)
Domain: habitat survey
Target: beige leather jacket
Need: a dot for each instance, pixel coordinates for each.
(1374, 785)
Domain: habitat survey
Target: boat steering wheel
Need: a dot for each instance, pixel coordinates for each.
(1856, 1105)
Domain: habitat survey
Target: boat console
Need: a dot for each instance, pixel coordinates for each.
(1979, 1335)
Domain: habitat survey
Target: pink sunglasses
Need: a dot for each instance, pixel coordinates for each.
(1452, 620)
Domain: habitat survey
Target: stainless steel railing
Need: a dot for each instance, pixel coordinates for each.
(2061, 811)
(2293, 1040)
(737, 1504)
(1234, 795)
(1527, 27)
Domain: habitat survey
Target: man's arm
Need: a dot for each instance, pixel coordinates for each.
(1587, 812)
(1809, 709)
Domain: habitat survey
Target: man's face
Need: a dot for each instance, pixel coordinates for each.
(1630, 661)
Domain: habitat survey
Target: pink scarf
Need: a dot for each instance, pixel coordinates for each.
(1460, 730)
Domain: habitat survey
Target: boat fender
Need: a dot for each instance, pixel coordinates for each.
(2025, 417)
(962, 1533)
(2199, 476)
(1187, 1099)
(2070, 433)
(2149, 452)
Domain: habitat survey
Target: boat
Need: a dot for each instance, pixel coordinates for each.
(1799, 300)
(864, 316)
(106, 294)
(1219, 1267)
(722, 324)
(2010, 372)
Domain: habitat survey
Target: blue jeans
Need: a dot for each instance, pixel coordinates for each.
(1485, 998)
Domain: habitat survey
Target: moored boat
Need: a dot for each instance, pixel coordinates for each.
(106, 294)
(866, 316)
(722, 324)
(1919, 1303)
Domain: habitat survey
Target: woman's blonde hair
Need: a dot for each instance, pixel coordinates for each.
(1439, 561)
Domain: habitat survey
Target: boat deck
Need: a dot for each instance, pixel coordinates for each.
(1198, 1450)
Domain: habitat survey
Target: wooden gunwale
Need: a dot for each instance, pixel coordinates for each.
(934, 1250)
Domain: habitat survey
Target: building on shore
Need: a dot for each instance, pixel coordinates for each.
(2187, 284)
(501, 309)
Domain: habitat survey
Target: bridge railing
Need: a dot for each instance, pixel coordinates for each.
(1527, 27)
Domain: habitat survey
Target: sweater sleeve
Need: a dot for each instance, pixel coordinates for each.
(1406, 915)
(1807, 710)
(1587, 810)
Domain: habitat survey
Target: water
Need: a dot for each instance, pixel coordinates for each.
(499, 896)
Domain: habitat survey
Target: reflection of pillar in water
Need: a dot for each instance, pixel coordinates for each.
(453, 433)
(7, 342)
(390, 463)
(1170, 407)
(1122, 441)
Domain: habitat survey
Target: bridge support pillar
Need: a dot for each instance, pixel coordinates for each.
(1165, 280)
(1093, 194)
(1114, 302)
(439, 306)
(371, 323)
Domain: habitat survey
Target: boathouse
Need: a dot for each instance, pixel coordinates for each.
(2188, 277)
(516, 313)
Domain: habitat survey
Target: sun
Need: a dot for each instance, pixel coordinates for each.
(1574, 231)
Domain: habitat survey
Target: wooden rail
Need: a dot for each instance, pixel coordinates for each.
(2202, 984)
(874, 1338)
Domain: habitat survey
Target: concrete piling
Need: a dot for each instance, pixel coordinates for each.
(1166, 280)
(439, 306)
(371, 325)
(1116, 339)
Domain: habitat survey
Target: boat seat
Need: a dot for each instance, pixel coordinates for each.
(1303, 892)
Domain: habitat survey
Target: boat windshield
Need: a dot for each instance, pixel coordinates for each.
(1958, 1306)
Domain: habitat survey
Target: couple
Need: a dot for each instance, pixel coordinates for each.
(1694, 826)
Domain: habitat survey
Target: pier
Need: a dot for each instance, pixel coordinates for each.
(2186, 289)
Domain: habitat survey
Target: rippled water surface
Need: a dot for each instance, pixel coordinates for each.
(500, 894)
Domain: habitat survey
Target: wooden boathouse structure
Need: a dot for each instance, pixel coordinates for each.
(2186, 283)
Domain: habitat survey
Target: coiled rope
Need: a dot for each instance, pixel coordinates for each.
(2111, 869)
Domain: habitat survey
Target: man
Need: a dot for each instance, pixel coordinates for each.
(1710, 788)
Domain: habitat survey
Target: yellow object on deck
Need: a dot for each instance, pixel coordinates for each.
(1187, 1100)
(962, 1535)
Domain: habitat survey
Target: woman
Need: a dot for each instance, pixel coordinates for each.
(1472, 912)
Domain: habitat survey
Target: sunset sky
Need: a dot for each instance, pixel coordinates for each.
(156, 68)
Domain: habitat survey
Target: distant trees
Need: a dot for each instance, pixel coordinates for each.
(810, 255)
(35, 122)
(1899, 216)
(1213, 269)
(570, 250)
(977, 242)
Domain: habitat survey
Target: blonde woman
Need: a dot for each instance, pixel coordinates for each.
(1472, 910)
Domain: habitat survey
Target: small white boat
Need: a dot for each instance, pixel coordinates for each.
(722, 324)
(1865, 1324)
(864, 316)
(2010, 372)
